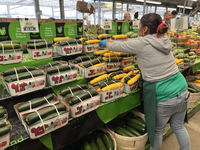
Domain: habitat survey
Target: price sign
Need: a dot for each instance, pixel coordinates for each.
(136, 24)
(107, 24)
(29, 25)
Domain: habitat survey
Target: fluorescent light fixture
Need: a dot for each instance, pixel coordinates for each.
(180, 6)
(193, 0)
(151, 2)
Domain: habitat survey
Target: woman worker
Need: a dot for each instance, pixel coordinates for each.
(165, 93)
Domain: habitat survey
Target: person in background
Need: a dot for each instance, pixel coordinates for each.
(136, 15)
(174, 13)
(127, 16)
(167, 17)
(165, 94)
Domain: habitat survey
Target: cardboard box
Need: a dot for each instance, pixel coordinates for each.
(111, 95)
(73, 49)
(37, 130)
(41, 53)
(113, 66)
(180, 67)
(19, 114)
(128, 62)
(134, 58)
(5, 139)
(11, 58)
(130, 88)
(192, 61)
(5, 119)
(54, 48)
(83, 107)
(91, 47)
(92, 72)
(16, 88)
(62, 78)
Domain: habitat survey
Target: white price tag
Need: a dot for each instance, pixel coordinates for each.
(136, 24)
(29, 25)
(107, 24)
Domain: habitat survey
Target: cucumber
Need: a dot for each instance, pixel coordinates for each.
(44, 112)
(69, 41)
(24, 76)
(86, 145)
(11, 50)
(100, 143)
(127, 132)
(80, 36)
(113, 60)
(135, 132)
(120, 132)
(82, 58)
(3, 113)
(4, 130)
(40, 45)
(35, 103)
(137, 127)
(98, 83)
(116, 73)
(92, 62)
(126, 55)
(83, 96)
(10, 46)
(36, 41)
(110, 139)
(53, 63)
(9, 42)
(93, 144)
(126, 79)
(192, 90)
(1, 107)
(105, 37)
(66, 91)
(102, 85)
(54, 69)
(136, 121)
(106, 141)
(2, 124)
(18, 69)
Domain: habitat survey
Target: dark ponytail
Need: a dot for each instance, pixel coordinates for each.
(152, 21)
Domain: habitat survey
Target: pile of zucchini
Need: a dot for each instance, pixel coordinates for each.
(50, 64)
(60, 68)
(115, 56)
(185, 56)
(117, 75)
(104, 36)
(98, 53)
(132, 126)
(10, 74)
(45, 113)
(93, 63)
(98, 140)
(81, 59)
(83, 96)
(3, 113)
(131, 34)
(37, 102)
(38, 43)
(67, 42)
(66, 92)
(5, 128)
(58, 39)
(8, 46)
(100, 79)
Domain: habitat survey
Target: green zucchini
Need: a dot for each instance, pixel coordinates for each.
(44, 112)
(82, 58)
(1, 107)
(80, 36)
(38, 45)
(11, 50)
(131, 69)
(126, 79)
(9, 42)
(136, 121)
(24, 76)
(88, 38)
(107, 142)
(93, 144)
(83, 96)
(126, 55)
(100, 143)
(86, 145)
(35, 102)
(54, 69)
(110, 139)
(66, 91)
(69, 41)
(116, 73)
(120, 132)
(3, 113)
(102, 85)
(113, 60)
(3, 124)
(130, 134)
(36, 41)
(92, 62)
(133, 131)
(98, 83)
(192, 90)
(137, 127)
(4, 130)
(10, 46)
(74, 93)
(18, 69)
(105, 37)
(53, 63)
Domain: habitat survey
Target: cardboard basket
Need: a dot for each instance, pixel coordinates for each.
(37, 130)
(19, 114)
(180, 67)
(24, 86)
(11, 58)
(73, 49)
(92, 72)
(62, 78)
(83, 107)
(192, 61)
(91, 47)
(111, 95)
(130, 143)
(128, 62)
(113, 66)
(41, 53)
(194, 97)
(130, 88)
(5, 139)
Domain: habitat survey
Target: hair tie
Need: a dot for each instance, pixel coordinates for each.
(160, 26)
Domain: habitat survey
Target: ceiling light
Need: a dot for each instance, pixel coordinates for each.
(180, 6)
(193, 0)
(151, 2)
